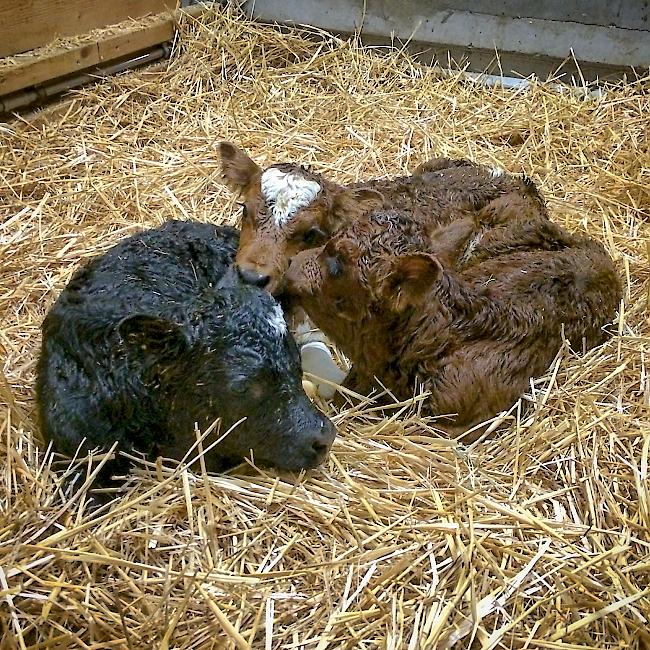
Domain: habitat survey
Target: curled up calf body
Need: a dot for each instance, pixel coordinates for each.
(288, 209)
(156, 338)
(475, 337)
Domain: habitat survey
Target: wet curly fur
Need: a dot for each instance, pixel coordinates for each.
(473, 324)
(156, 336)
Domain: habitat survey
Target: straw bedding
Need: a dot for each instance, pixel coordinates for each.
(537, 538)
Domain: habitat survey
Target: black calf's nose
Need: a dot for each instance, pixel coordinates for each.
(319, 446)
(253, 277)
(323, 440)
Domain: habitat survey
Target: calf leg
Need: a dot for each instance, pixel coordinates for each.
(517, 235)
(449, 241)
(482, 379)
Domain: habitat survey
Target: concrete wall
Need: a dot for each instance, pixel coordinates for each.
(628, 14)
(606, 38)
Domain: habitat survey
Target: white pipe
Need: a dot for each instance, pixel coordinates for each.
(515, 83)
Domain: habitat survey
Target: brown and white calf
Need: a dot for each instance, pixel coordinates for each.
(475, 337)
(288, 209)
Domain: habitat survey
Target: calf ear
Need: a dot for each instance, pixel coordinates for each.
(238, 169)
(351, 203)
(153, 335)
(230, 279)
(410, 279)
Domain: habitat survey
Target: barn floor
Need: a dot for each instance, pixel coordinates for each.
(539, 538)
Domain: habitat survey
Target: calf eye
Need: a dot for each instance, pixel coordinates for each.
(246, 387)
(313, 236)
(244, 211)
(238, 385)
(334, 266)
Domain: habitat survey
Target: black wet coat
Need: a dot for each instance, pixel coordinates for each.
(155, 336)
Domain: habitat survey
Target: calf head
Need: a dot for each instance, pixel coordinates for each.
(286, 209)
(235, 361)
(363, 300)
(359, 277)
(331, 284)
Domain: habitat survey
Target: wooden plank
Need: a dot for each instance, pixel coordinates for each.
(27, 24)
(67, 62)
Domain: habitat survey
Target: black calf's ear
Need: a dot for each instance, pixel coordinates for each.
(238, 169)
(229, 279)
(153, 335)
(410, 279)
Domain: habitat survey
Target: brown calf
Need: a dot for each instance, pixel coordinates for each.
(288, 209)
(475, 337)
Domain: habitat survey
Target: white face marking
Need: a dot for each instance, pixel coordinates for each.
(495, 172)
(276, 320)
(286, 193)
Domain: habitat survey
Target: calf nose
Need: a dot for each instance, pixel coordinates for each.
(323, 438)
(319, 446)
(254, 278)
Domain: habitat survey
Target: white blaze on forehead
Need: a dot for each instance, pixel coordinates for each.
(276, 320)
(286, 193)
(495, 172)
